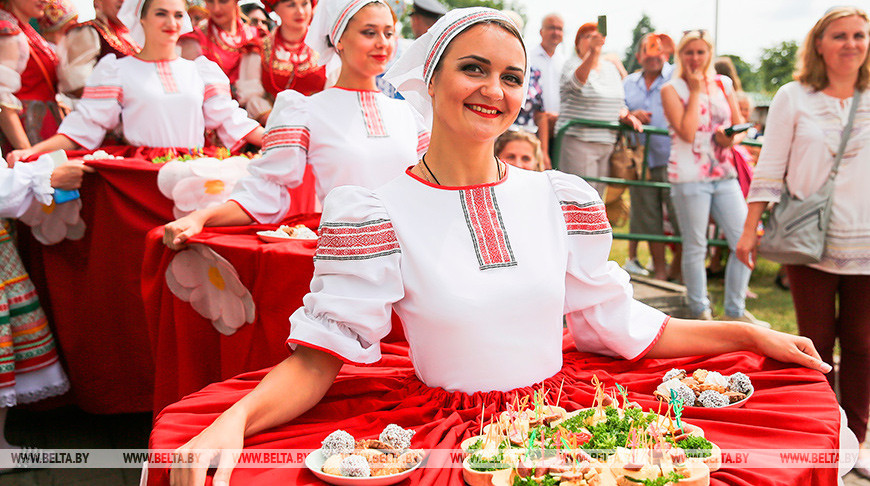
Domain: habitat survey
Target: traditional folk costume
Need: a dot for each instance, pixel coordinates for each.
(29, 366)
(28, 79)
(85, 45)
(480, 277)
(348, 137)
(275, 66)
(221, 47)
(161, 104)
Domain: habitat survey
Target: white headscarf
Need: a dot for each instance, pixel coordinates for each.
(411, 73)
(131, 13)
(329, 21)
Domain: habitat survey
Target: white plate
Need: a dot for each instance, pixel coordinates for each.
(269, 237)
(315, 460)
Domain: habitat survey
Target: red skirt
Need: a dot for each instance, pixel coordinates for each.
(791, 408)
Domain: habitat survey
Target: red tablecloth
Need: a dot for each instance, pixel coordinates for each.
(189, 353)
(92, 286)
(791, 408)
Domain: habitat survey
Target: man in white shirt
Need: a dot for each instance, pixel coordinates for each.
(546, 58)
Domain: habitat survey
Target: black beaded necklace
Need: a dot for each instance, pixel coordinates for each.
(432, 175)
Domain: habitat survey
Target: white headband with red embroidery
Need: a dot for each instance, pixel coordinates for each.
(329, 21)
(131, 13)
(411, 73)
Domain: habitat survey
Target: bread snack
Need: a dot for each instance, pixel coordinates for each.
(299, 231)
(613, 442)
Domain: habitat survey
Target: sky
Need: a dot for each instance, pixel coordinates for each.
(746, 27)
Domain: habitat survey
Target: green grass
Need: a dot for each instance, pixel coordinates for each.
(773, 304)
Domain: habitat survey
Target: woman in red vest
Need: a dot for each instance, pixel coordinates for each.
(28, 77)
(222, 39)
(282, 61)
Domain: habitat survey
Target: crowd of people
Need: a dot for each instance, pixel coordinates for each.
(331, 85)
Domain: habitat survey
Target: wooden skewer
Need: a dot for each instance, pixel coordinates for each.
(559, 396)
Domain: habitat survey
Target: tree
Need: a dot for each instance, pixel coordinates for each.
(644, 26)
(747, 73)
(777, 66)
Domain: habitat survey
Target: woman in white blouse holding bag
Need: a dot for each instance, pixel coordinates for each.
(804, 128)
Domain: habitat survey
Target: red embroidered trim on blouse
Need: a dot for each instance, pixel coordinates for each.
(587, 218)
(164, 71)
(356, 241)
(215, 90)
(422, 142)
(104, 93)
(487, 230)
(286, 136)
(371, 114)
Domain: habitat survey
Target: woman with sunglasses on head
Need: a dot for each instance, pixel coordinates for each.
(349, 134)
(806, 122)
(699, 105)
(479, 259)
(282, 61)
(222, 39)
(164, 101)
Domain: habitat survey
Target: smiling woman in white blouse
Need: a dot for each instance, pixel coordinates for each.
(162, 99)
(804, 126)
(466, 250)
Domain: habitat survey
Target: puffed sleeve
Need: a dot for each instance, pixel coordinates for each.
(249, 87)
(100, 107)
(602, 315)
(14, 54)
(22, 183)
(769, 172)
(356, 280)
(78, 53)
(263, 194)
(222, 113)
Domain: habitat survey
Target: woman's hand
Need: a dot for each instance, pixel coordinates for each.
(596, 42)
(68, 176)
(747, 247)
(632, 121)
(695, 79)
(176, 233)
(18, 155)
(789, 348)
(721, 139)
(219, 445)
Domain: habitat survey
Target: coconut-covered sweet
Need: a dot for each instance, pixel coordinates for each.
(355, 466)
(396, 437)
(674, 373)
(338, 442)
(713, 399)
(740, 383)
(683, 391)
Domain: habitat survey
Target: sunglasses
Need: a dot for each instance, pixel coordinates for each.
(701, 33)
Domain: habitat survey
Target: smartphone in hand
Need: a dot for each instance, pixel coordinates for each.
(739, 128)
(602, 25)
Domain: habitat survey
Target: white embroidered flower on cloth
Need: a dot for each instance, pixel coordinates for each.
(210, 283)
(200, 183)
(53, 223)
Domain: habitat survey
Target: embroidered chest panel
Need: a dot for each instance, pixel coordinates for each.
(167, 79)
(371, 113)
(483, 217)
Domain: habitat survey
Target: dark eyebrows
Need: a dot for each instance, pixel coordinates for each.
(486, 61)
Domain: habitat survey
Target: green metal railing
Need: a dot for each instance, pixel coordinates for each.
(647, 130)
